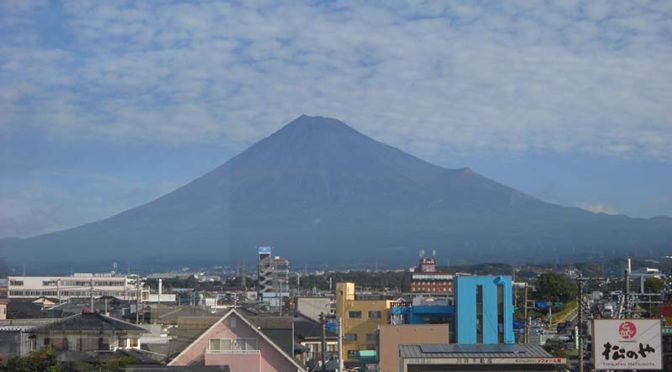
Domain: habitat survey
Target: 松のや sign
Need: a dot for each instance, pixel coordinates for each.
(627, 344)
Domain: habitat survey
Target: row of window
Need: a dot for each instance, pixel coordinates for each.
(370, 337)
(222, 345)
(75, 283)
(358, 314)
(63, 293)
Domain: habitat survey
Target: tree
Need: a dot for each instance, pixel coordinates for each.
(37, 361)
(554, 287)
(654, 285)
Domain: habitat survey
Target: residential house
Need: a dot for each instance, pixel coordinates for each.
(236, 342)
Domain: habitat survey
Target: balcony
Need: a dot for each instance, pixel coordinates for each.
(237, 360)
(232, 351)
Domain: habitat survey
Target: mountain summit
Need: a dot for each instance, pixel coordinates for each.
(319, 190)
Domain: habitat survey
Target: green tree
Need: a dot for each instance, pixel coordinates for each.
(654, 285)
(37, 361)
(554, 287)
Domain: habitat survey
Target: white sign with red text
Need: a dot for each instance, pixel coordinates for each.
(627, 344)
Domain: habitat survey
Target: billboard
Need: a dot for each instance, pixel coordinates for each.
(264, 250)
(627, 344)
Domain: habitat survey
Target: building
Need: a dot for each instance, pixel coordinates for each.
(443, 357)
(426, 279)
(236, 342)
(312, 307)
(308, 333)
(272, 277)
(391, 336)
(422, 310)
(78, 285)
(484, 310)
(74, 338)
(3, 308)
(360, 319)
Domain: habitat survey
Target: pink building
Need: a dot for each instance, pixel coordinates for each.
(235, 342)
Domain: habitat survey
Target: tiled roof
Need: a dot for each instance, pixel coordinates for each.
(90, 322)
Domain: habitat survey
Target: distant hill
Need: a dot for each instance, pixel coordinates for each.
(319, 191)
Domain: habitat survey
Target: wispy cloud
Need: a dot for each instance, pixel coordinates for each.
(598, 208)
(525, 76)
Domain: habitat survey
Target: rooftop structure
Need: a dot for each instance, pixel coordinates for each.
(444, 357)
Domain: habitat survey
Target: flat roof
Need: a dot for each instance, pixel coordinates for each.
(516, 351)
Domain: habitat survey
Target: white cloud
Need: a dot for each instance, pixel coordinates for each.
(598, 208)
(592, 77)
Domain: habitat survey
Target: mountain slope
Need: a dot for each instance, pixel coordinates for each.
(320, 191)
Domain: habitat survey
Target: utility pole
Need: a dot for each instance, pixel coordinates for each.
(324, 340)
(243, 279)
(91, 295)
(627, 289)
(137, 300)
(525, 314)
(340, 343)
(579, 333)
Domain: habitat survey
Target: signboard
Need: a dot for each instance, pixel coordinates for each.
(264, 250)
(627, 344)
(501, 361)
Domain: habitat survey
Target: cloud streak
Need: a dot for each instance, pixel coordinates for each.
(522, 76)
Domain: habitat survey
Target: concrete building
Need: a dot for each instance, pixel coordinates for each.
(484, 310)
(360, 319)
(422, 310)
(391, 336)
(78, 285)
(312, 307)
(426, 279)
(272, 278)
(3, 308)
(442, 357)
(235, 342)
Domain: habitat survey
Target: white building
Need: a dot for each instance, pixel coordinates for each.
(78, 285)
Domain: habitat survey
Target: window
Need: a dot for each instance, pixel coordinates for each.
(16, 282)
(220, 344)
(375, 315)
(350, 337)
(371, 337)
(355, 314)
(247, 344)
(223, 345)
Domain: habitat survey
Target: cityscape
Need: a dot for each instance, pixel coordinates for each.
(329, 185)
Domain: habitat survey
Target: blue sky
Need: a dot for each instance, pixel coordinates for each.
(107, 105)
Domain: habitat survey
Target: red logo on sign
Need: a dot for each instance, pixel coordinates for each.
(627, 330)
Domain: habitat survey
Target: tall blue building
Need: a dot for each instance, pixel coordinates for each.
(484, 310)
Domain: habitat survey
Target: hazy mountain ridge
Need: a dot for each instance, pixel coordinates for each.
(319, 190)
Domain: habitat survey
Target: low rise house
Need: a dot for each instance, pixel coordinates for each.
(236, 342)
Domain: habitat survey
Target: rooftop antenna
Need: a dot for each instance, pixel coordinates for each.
(433, 253)
(114, 266)
(422, 253)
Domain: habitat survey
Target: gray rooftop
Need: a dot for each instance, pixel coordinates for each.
(472, 351)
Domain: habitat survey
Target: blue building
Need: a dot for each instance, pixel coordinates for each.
(484, 310)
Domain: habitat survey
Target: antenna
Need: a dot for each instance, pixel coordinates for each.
(433, 253)
(422, 253)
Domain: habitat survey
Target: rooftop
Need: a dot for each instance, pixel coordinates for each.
(517, 351)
